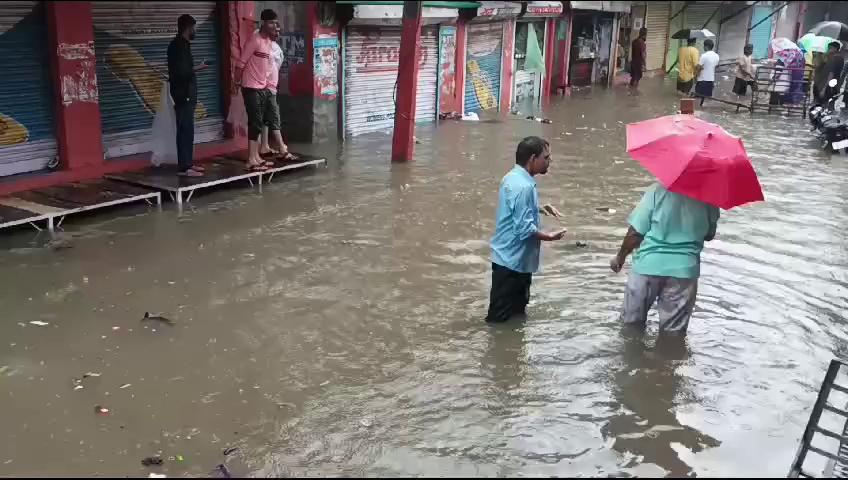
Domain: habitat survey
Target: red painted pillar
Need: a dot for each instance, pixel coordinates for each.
(507, 64)
(71, 41)
(550, 37)
(461, 50)
(407, 83)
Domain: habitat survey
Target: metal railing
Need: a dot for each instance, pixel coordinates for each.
(782, 89)
(837, 459)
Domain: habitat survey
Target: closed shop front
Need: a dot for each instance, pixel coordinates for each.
(131, 42)
(27, 138)
(702, 15)
(483, 58)
(530, 33)
(371, 59)
(656, 21)
(760, 35)
(734, 31)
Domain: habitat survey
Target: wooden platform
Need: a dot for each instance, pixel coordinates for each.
(53, 204)
(219, 170)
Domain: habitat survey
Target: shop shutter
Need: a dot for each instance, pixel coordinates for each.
(761, 35)
(371, 70)
(697, 14)
(656, 21)
(131, 43)
(483, 66)
(733, 32)
(27, 135)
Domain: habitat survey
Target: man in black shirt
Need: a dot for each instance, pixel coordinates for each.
(183, 81)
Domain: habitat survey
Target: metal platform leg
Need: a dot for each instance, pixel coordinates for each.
(179, 195)
(50, 225)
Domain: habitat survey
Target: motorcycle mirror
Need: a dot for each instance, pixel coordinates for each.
(832, 83)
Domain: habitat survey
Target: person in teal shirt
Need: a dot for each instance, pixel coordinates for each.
(518, 234)
(667, 231)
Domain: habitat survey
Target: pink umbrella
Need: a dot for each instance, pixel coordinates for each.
(695, 158)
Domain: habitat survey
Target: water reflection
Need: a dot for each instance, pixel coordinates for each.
(650, 391)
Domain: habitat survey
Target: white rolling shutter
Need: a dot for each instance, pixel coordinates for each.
(27, 140)
(656, 21)
(371, 70)
(131, 44)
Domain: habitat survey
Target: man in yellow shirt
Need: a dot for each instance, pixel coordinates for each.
(687, 59)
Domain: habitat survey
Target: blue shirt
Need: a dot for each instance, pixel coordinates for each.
(514, 245)
(674, 228)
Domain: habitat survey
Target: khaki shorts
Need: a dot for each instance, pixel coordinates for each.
(675, 299)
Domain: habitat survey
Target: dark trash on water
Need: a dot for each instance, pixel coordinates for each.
(151, 461)
(221, 471)
(230, 451)
(581, 244)
(541, 120)
(157, 318)
(101, 410)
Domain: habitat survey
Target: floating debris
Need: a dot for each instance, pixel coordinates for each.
(126, 385)
(38, 323)
(157, 475)
(101, 410)
(366, 422)
(605, 209)
(157, 318)
(151, 461)
(221, 471)
(581, 244)
(230, 451)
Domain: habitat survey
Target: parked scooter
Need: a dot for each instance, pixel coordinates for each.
(829, 123)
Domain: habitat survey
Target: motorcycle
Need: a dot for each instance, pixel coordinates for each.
(830, 125)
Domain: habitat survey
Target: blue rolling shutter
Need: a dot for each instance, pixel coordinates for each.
(483, 66)
(761, 35)
(131, 43)
(27, 135)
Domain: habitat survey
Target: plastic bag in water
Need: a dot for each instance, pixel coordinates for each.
(163, 136)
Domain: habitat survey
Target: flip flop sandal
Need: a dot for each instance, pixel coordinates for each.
(290, 157)
(256, 168)
(198, 168)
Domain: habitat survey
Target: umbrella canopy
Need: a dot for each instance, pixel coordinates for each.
(815, 43)
(687, 33)
(782, 43)
(837, 30)
(788, 52)
(695, 158)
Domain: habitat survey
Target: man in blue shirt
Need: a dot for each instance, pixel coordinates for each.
(668, 231)
(517, 240)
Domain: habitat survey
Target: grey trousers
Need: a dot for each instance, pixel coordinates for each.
(675, 299)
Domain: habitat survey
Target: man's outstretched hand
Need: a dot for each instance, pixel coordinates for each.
(550, 210)
(552, 236)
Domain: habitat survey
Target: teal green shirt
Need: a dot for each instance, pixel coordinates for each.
(674, 228)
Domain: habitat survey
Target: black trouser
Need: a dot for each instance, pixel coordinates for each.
(510, 293)
(185, 135)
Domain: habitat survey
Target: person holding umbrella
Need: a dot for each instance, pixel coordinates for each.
(699, 168)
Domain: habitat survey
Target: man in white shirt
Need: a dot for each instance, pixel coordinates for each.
(706, 71)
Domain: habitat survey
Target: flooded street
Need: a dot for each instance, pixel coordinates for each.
(333, 325)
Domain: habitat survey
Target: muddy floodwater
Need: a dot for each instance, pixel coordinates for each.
(333, 325)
